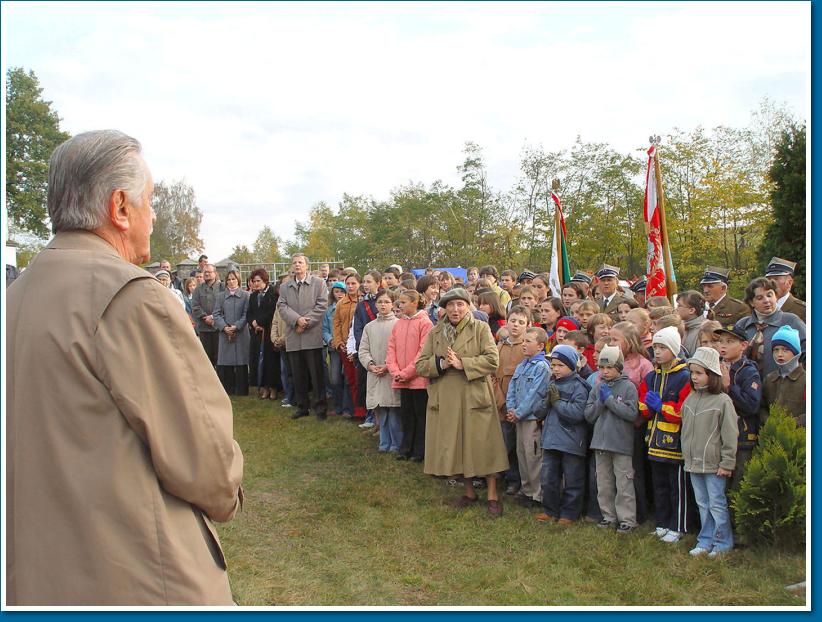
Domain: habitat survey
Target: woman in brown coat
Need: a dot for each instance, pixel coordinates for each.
(462, 431)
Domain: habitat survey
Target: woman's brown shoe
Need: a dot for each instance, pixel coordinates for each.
(494, 508)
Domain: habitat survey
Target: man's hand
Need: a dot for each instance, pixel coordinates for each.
(209, 319)
(511, 417)
(302, 322)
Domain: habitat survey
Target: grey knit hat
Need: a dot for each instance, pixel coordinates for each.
(708, 358)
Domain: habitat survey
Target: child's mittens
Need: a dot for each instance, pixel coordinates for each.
(653, 401)
(553, 394)
(604, 393)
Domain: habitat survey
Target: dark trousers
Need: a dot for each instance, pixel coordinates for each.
(362, 379)
(640, 464)
(413, 404)
(671, 499)
(307, 367)
(559, 501)
(211, 344)
(509, 437)
(271, 372)
(591, 504)
(234, 378)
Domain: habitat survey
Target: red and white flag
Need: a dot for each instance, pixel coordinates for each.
(660, 273)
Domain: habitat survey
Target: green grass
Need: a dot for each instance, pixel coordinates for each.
(330, 521)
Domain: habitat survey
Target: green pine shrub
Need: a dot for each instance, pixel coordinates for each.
(770, 503)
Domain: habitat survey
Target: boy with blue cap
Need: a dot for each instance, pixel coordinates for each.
(786, 384)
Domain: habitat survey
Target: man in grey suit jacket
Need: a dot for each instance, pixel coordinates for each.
(302, 304)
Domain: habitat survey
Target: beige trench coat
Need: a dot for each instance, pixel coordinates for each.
(119, 438)
(462, 431)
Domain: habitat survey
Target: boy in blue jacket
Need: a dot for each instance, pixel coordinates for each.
(525, 406)
(564, 440)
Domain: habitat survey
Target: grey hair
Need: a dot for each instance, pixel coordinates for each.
(295, 255)
(85, 170)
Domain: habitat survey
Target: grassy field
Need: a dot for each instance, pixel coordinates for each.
(330, 521)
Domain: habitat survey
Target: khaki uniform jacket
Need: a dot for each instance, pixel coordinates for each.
(729, 311)
(308, 300)
(787, 391)
(119, 438)
(462, 431)
(795, 306)
(613, 307)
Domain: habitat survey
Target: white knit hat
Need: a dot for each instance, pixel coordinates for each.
(610, 356)
(708, 358)
(669, 337)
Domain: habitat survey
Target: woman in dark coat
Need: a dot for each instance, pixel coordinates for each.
(261, 309)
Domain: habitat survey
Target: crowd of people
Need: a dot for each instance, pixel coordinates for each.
(596, 403)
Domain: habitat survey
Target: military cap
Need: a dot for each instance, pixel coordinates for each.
(639, 286)
(526, 274)
(714, 274)
(780, 267)
(606, 271)
(581, 277)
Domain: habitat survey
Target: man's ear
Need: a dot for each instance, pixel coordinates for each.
(119, 210)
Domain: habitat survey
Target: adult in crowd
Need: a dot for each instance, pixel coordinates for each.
(609, 289)
(727, 311)
(202, 304)
(639, 287)
(165, 280)
(117, 470)
(202, 262)
(230, 314)
(302, 304)
(490, 274)
(780, 271)
(165, 264)
(584, 280)
(765, 320)
(261, 306)
(462, 431)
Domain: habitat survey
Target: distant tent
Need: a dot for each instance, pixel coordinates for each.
(457, 273)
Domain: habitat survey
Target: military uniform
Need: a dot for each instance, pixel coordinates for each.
(728, 311)
(783, 267)
(612, 308)
(795, 306)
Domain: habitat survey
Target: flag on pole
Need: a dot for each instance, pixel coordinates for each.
(660, 272)
(560, 269)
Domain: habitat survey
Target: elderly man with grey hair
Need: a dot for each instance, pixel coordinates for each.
(121, 451)
(302, 304)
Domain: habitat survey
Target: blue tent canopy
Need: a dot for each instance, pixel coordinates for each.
(455, 272)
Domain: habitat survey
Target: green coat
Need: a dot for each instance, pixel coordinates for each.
(462, 431)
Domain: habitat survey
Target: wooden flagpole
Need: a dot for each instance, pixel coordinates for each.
(670, 284)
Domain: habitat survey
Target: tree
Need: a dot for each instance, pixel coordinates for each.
(785, 236)
(32, 134)
(267, 246)
(241, 254)
(176, 233)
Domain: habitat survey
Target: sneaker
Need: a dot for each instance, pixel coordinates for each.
(453, 481)
(659, 532)
(625, 528)
(697, 551)
(718, 553)
(606, 524)
(285, 403)
(671, 537)
(366, 426)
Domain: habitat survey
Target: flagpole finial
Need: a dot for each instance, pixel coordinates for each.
(555, 184)
(655, 140)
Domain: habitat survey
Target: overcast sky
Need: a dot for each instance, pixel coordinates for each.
(266, 109)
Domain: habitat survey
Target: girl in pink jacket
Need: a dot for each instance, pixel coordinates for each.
(404, 346)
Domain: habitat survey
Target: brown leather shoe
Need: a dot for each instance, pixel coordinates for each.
(463, 502)
(494, 508)
(542, 517)
(565, 522)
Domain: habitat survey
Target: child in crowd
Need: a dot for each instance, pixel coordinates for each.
(550, 310)
(740, 379)
(690, 306)
(585, 311)
(612, 409)
(709, 435)
(365, 312)
(333, 366)
(624, 307)
(343, 318)
(598, 327)
(601, 343)
(380, 397)
(563, 440)
(642, 321)
(660, 403)
(428, 287)
(404, 346)
(671, 319)
(278, 341)
(708, 336)
(578, 339)
(563, 327)
(786, 384)
(528, 299)
(490, 303)
(571, 292)
(525, 407)
(511, 355)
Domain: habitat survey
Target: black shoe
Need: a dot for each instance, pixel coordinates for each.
(299, 414)
(401, 457)
(321, 416)
(415, 459)
(524, 501)
(512, 489)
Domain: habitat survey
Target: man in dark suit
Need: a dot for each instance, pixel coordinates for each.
(780, 271)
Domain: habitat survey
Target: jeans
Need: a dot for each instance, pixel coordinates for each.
(390, 428)
(556, 466)
(716, 533)
(285, 376)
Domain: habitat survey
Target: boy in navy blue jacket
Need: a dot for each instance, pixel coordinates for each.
(525, 406)
(564, 440)
(741, 379)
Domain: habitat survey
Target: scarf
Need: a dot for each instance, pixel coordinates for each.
(787, 368)
(756, 348)
(451, 332)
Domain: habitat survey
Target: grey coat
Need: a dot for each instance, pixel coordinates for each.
(613, 420)
(231, 310)
(202, 304)
(309, 300)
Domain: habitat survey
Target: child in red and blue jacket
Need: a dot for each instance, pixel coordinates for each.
(660, 402)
